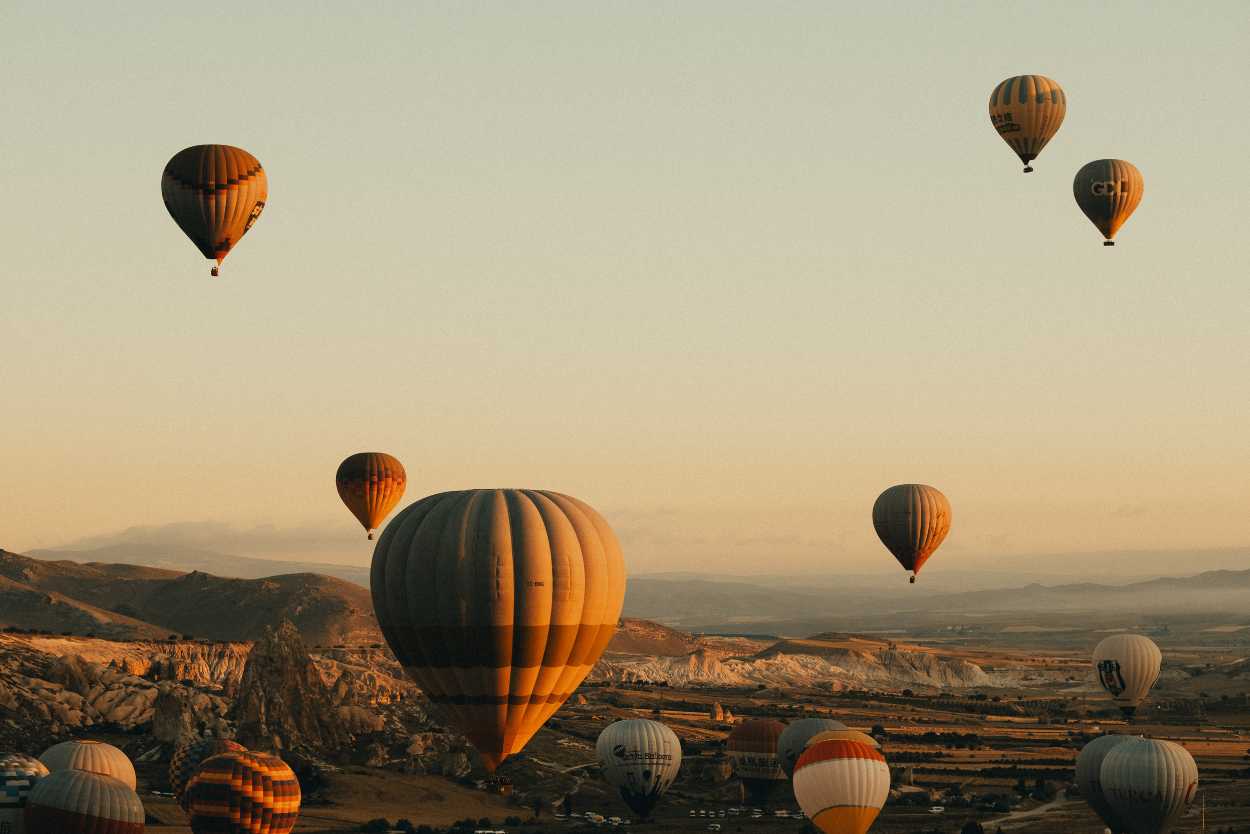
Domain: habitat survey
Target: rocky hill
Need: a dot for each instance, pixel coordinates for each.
(133, 602)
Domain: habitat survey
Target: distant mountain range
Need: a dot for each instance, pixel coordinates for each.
(207, 561)
(332, 601)
(133, 602)
(781, 606)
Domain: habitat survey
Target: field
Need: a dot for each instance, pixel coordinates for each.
(1002, 755)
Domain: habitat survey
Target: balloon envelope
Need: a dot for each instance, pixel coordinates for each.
(188, 758)
(752, 745)
(1108, 191)
(796, 736)
(80, 802)
(371, 484)
(1148, 784)
(841, 785)
(1127, 666)
(214, 193)
(911, 520)
(1027, 111)
(498, 602)
(243, 793)
(93, 757)
(1088, 777)
(641, 759)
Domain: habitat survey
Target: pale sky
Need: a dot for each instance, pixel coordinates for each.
(723, 270)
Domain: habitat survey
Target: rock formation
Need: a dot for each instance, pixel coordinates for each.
(283, 703)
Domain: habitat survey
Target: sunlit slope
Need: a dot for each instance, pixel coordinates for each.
(140, 602)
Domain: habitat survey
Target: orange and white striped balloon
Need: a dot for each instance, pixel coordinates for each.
(841, 785)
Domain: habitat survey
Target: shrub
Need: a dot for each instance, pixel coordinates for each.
(377, 826)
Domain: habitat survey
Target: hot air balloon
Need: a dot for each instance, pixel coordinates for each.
(795, 737)
(243, 793)
(214, 193)
(1027, 110)
(911, 520)
(752, 745)
(841, 785)
(1089, 781)
(371, 484)
(1108, 190)
(1127, 667)
(18, 776)
(1148, 784)
(641, 759)
(93, 757)
(844, 735)
(497, 602)
(79, 802)
(188, 758)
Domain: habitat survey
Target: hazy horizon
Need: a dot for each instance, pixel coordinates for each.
(724, 274)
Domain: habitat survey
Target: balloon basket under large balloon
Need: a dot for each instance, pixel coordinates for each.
(1028, 169)
(370, 536)
(911, 580)
(215, 271)
(1108, 243)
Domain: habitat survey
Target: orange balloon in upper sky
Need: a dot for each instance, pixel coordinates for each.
(1027, 111)
(214, 193)
(911, 521)
(498, 602)
(371, 484)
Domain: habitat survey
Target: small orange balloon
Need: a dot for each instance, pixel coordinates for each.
(371, 484)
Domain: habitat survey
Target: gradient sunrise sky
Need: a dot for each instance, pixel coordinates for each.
(724, 270)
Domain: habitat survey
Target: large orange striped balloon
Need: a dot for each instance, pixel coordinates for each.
(371, 484)
(1108, 191)
(243, 793)
(911, 520)
(79, 802)
(498, 602)
(214, 193)
(188, 758)
(754, 747)
(1027, 111)
(841, 785)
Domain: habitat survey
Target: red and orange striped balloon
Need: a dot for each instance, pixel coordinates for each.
(188, 758)
(841, 785)
(371, 484)
(243, 793)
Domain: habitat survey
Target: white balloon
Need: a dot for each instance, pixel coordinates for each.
(1127, 666)
(1149, 784)
(641, 759)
